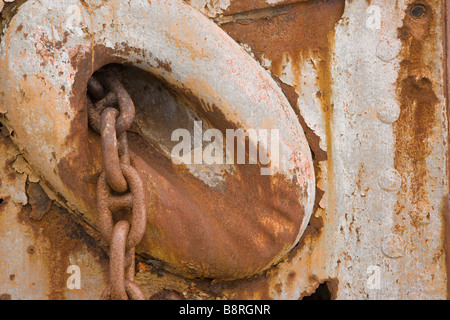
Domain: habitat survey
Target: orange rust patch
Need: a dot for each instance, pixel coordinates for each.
(292, 36)
(142, 267)
(201, 225)
(255, 288)
(414, 128)
(164, 65)
(300, 31)
(65, 237)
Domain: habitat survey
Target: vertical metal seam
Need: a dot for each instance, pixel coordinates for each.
(446, 211)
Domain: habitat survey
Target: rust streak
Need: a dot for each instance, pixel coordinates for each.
(59, 237)
(414, 129)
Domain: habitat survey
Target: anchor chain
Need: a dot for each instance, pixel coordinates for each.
(119, 185)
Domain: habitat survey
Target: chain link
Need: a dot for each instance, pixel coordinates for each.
(119, 185)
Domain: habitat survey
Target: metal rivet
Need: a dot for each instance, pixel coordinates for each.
(387, 50)
(389, 113)
(390, 180)
(393, 246)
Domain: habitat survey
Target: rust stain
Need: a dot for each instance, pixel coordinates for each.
(255, 288)
(86, 163)
(164, 65)
(290, 37)
(414, 128)
(195, 216)
(297, 34)
(5, 296)
(63, 237)
(8, 12)
(39, 201)
(333, 286)
(414, 131)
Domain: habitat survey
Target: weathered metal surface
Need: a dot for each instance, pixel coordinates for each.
(224, 86)
(396, 181)
(378, 110)
(35, 254)
(118, 176)
(373, 106)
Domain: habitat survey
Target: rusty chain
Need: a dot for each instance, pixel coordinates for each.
(119, 185)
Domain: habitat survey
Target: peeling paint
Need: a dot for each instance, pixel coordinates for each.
(371, 103)
(184, 212)
(35, 254)
(211, 8)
